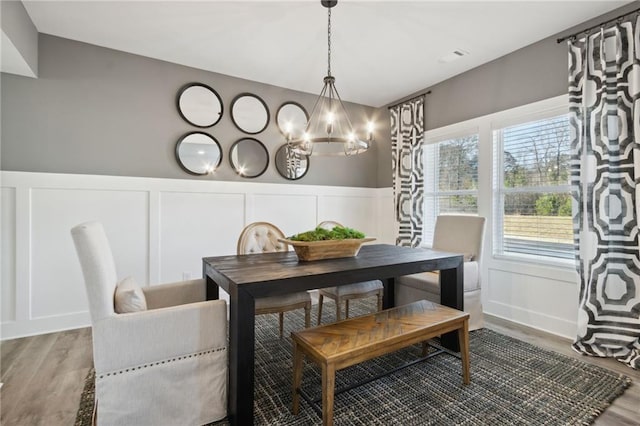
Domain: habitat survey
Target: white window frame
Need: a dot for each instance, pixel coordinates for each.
(499, 191)
(484, 126)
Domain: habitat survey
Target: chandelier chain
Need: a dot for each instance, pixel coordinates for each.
(329, 44)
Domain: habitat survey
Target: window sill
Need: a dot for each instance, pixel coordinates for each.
(553, 269)
(536, 260)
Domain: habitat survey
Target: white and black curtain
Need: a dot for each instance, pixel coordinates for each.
(407, 135)
(604, 94)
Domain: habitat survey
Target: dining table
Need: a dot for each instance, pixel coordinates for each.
(248, 277)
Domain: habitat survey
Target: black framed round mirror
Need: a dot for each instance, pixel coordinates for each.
(292, 119)
(199, 105)
(290, 165)
(249, 113)
(249, 157)
(198, 153)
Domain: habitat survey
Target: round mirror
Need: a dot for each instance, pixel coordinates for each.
(198, 153)
(249, 113)
(199, 105)
(292, 119)
(290, 165)
(249, 157)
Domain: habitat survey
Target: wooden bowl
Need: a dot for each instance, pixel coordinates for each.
(326, 249)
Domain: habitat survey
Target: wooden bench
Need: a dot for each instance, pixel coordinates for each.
(349, 342)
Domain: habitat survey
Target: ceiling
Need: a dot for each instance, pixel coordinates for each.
(381, 50)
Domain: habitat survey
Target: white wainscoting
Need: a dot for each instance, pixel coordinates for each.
(542, 297)
(159, 230)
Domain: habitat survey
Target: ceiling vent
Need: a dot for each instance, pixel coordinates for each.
(450, 57)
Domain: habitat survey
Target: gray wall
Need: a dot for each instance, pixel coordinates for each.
(530, 74)
(100, 111)
(18, 27)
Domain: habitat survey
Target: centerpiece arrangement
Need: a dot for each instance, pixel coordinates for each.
(323, 243)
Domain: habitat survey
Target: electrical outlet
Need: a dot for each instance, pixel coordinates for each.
(186, 276)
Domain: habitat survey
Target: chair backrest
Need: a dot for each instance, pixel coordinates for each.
(98, 268)
(329, 224)
(260, 237)
(459, 234)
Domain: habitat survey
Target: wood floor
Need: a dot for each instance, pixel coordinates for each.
(43, 376)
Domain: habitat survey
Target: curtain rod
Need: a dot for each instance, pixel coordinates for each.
(600, 25)
(428, 92)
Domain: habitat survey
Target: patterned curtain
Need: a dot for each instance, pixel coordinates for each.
(604, 91)
(407, 134)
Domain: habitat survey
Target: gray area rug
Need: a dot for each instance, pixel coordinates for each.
(512, 383)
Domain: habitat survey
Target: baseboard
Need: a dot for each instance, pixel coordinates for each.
(524, 326)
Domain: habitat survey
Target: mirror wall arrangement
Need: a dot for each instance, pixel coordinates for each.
(291, 165)
(198, 153)
(249, 157)
(199, 105)
(249, 113)
(292, 119)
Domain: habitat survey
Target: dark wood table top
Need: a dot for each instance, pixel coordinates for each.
(376, 261)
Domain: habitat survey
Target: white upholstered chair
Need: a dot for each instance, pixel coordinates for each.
(164, 362)
(456, 234)
(344, 293)
(262, 237)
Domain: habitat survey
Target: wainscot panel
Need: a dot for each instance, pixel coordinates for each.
(194, 224)
(8, 265)
(547, 301)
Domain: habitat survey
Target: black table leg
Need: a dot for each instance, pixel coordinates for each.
(389, 293)
(241, 357)
(213, 292)
(451, 291)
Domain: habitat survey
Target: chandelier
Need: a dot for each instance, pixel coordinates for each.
(329, 130)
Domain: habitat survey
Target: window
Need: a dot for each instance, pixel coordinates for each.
(532, 201)
(450, 180)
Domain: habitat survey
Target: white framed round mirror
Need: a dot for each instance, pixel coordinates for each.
(199, 105)
(292, 119)
(249, 113)
(198, 153)
(249, 157)
(290, 165)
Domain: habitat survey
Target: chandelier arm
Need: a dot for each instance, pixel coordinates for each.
(343, 109)
(315, 106)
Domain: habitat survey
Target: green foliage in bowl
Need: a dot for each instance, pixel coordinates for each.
(321, 234)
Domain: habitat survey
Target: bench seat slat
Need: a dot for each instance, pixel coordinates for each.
(401, 327)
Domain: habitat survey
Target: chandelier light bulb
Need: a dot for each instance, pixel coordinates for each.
(330, 117)
(370, 129)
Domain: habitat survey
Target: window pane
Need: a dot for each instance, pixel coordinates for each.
(450, 180)
(537, 153)
(450, 204)
(533, 203)
(536, 223)
(458, 164)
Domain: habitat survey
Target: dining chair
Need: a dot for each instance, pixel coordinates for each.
(344, 293)
(262, 237)
(159, 352)
(462, 234)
